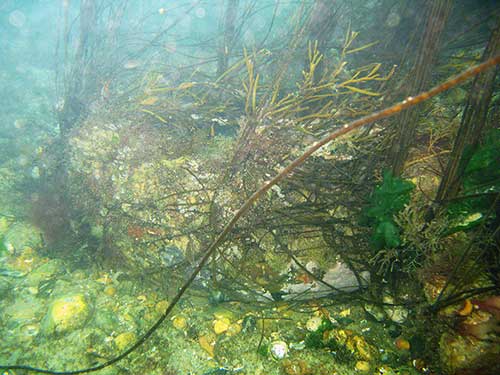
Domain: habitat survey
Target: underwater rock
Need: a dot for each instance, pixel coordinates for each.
(433, 286)
(234, 329)
(393, 19)
(161, 306)
(221, 325)
(20, 264)
(460, 354)
(313, 267)
(313, 324)
(23, 310)
(360, 347)
(490, 304)
(278, 349)
(105, 320)
(29, 331)
(5, 287)
(249, 323)
(480, 324)
(171, 255)
(362, 366)
(374, 312)
(296, 367)
(340, 277)
(397, 313)
(110, 290)
(44, 272)
(207, 343)
(4, 226)
(21, 236)
(124, 340)
(402, 344)
(66, 313)
(215, 297)
(179, 322)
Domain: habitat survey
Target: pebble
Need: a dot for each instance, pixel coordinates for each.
(221, 325)
(161, 306)
(234, 329)
(278, 349)
(313, 324)
(179, 322)
(110, 290)
(362, 366)
(124, 340)
(402, 344)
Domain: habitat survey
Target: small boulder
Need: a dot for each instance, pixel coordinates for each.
(44, 272)
(66, 314)
(21, 236)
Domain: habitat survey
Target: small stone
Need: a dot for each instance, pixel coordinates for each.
(66, 314)
(363, 349)
(44, 273)
(398, 314)
(434, 286)
(362, 366)
(278, 349)
(345, 313)
(462, 354)
(179, 322)
(161, 306)
(375, 312)
(220, 314)
(313, 324)
(110, 290)
(312, 266)
(207, 343)
(29, 331)
(402, 344)
(23, 235)
(221, 325)
(124, 340)
(393, 18)
(233, 329)
(4, 225)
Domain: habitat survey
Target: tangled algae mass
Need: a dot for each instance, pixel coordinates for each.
(250, 187)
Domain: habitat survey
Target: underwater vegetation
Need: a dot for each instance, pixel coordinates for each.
(295, 188)
(388, 199)
(480, 183)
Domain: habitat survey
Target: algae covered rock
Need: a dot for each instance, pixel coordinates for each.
(20, 311)
(468, 354)
(124, 340)
(21, 236)
(66, 314)
(4, 225)
(340, 277)
(5, 286)
(44, 272)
